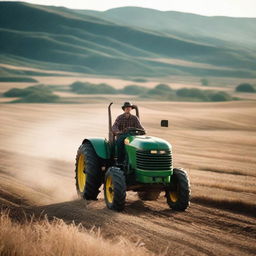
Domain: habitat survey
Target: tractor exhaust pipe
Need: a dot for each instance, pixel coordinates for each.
(110, 133)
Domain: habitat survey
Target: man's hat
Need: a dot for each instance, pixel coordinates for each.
(127, 104)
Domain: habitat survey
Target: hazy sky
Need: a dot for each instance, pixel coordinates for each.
(236, 8)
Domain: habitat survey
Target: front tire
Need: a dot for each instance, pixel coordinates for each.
(88, 172)
(115, 189)
(178, 193)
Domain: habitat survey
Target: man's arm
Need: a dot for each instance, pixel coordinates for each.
(138, 124)
(115, 128)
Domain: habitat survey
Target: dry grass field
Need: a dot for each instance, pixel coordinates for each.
(59, 70)
(58, 238)
(214, 142)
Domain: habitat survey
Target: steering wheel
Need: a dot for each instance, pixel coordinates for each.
(134, 131)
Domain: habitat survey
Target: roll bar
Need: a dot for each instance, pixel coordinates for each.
(137, 111)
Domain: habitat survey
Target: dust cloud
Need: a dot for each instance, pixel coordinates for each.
(45, 151)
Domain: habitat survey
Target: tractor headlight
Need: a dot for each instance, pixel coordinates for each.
(158, 152)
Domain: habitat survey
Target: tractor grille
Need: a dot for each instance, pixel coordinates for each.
(155, 162)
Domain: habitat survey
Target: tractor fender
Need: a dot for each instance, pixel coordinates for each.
(100, 145)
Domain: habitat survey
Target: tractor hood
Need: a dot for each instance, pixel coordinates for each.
(147, 143)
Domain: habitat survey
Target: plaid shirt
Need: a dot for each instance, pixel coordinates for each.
(123, 122)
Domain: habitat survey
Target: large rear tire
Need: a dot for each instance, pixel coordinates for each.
(88, 172)
(178, 193)
(115, 189)
(148, 195)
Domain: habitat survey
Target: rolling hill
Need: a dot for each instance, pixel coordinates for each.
(218, 31)
(57, 38)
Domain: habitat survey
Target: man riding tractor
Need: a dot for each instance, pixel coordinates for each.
(119, 128)
(132, 161)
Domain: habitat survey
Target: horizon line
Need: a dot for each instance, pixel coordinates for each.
(125, 6)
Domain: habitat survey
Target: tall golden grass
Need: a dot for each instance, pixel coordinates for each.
(58, 238)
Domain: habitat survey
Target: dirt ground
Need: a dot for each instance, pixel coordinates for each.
(214, 142)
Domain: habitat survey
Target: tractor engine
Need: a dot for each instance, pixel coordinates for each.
(150, 158)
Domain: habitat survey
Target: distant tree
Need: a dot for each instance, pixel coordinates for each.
(18, 92)
(245, 87)
(160, 89)
(89, 88)
(193, 93)
(163, 87)
(134, 89)
(38, 97)
(14, 92)
(32, 94)
(204, 82)
(105, 89)
(220, 96)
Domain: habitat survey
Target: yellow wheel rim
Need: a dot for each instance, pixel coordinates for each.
(80, 173)
(174, 196)
(109, 189)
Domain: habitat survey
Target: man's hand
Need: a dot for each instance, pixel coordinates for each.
(134, 131)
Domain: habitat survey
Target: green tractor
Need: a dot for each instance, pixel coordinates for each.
(147, 169)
